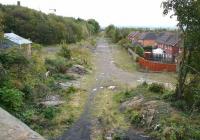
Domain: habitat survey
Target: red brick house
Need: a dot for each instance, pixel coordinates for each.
(147, 39)
(133, 36)
(170, 44)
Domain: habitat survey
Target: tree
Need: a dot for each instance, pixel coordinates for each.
(46, 29)
(95, 24)
(1, 26)
(188, 16)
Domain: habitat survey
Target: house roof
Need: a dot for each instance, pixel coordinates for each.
(148, 36)
(168, 39)
(16, 39)
(133, 34)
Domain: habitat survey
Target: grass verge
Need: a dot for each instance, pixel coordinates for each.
(109, 119)
(122, 59)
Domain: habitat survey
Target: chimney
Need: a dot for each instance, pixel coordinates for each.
(18, 3)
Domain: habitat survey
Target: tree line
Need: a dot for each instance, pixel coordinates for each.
(43, 28)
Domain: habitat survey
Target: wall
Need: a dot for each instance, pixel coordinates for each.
(156, 66)
(170, 50)
(149, 43)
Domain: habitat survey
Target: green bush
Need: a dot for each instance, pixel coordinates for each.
(93, 42)
(148, 48)
(125, 43)
(28, 116)
(40, 91)
(157, 88)
(120, 135)
(180, 104)
(13, 56)
(58, 65)
(71, 89)
(134, 117)
(11, 99)
(139, 50)
(65, 51)
(50, 112)
(124, 95)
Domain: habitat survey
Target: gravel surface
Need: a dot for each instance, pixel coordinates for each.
(105, 71)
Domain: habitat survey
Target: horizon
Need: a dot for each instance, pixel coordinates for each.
(106, 13)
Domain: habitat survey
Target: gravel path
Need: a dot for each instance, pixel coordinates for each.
(105, 71)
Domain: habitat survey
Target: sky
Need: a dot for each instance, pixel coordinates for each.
(122, 13)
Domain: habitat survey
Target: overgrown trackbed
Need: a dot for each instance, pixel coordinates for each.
(105, 71)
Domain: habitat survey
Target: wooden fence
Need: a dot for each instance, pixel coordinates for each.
(156, 66)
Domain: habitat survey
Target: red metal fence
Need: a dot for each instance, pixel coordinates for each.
(156, 66)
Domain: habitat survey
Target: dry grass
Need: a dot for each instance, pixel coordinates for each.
(122, 59)
(108, 116)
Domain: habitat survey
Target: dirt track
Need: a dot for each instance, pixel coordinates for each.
(106, 71)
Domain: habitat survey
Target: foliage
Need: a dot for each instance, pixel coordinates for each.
(117, 34)
(157, 88)
(46, 29)
(95, 25)
(168, 123)
(11, 99)
(49, 112)
(58, 65)
(13, 56)
(124, 95)
(81, 56)
(125, 43)
(65, 51)
(134, 117)
(180, 104)
(148, 48)
(71, 90)
(120, 135)
(188, 16)
(1, 26)
(139, 50)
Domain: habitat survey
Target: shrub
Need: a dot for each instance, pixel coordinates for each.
(71, 89)
(28, 116)
(148, 48)
(168, 95)
(65, 51)
(13, 56)
(93, 42)
(180, 104)
(134, 116)
(120, 135)
(11, 99)
(57, 65)
(157, 88)
(123, 96)
(197, 101)
(139, 50)
(125, 43)
(50, 112)
(40, 91)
